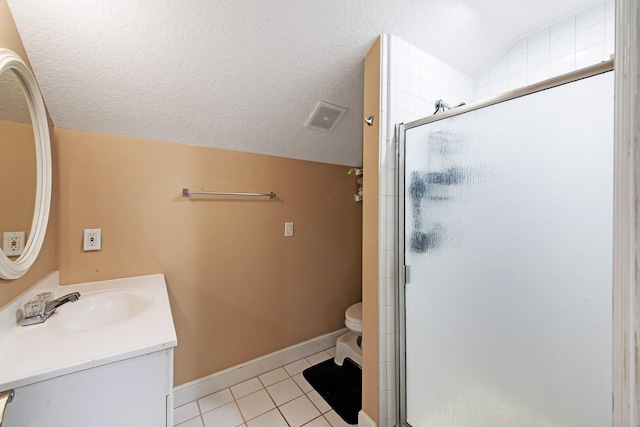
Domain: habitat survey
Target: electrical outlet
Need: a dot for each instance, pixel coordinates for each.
(13, 243)
(92, 239)
(288, 229)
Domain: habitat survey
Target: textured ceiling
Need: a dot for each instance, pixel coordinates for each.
(244, 74)
(13, 104)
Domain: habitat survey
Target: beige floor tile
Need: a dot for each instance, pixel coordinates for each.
(255, 404)
(215, 400)
(272, 418)
(224, 416)
(284, 391)
(299, 411)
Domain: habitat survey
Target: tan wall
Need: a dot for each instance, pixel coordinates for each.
(238, 288)
(10, 39)
(17, 177)
(371, 163)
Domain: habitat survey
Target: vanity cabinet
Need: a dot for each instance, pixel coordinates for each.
(127, 393)
(105, 360)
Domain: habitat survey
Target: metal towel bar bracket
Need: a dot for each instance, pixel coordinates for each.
(187, 193)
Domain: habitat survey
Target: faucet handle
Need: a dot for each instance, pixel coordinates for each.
(34, 308)
(44, 296)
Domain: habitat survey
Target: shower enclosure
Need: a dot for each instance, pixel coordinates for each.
(506, 221)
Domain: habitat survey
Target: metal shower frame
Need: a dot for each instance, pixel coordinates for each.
(401, 398)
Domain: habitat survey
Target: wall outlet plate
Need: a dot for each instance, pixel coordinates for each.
(13, 243)
(92, 239)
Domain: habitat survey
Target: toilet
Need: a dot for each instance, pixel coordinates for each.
(350, 344)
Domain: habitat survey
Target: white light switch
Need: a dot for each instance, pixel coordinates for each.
(288, 229)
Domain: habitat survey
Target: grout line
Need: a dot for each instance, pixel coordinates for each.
(264, 387)
(282, 415)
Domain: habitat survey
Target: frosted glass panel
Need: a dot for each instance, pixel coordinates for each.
(508, 235)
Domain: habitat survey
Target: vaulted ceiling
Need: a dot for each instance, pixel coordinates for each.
(245, 74)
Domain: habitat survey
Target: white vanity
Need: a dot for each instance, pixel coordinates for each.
(105, 360)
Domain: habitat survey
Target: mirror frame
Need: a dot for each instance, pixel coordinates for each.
(10, 269)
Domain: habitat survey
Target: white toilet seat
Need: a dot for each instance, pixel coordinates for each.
(349, 345)
(353, 318)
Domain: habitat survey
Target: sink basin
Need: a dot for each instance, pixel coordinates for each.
(94, 310)
(114, 320)
(99, 309)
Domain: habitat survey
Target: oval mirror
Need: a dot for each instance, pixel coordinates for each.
(25, 167)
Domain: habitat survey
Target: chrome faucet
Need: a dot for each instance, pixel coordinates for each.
(50, 308)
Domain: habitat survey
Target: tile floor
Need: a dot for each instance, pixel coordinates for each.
(279, 398)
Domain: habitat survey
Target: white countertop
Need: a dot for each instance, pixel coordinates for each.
(35, 353)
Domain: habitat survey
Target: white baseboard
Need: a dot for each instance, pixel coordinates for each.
(365, 420)
(202, 387)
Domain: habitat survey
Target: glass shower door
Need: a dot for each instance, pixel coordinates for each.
(508, 218)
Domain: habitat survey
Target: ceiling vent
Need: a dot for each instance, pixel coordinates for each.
(325, 117)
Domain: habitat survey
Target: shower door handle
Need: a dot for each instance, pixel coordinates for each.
(5, 398)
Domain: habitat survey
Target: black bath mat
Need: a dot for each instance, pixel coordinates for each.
(340, 386)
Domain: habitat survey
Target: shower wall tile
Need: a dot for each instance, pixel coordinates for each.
(578, 41)
(609, 29)
(517, 64)
(562, 65)
(483, 92)
(538, 39)
(391, 321)
(390, 130)
(589, 56)
(391, 290)
(391, 348)
(391, 399)
(609, 48)
(609, 9)
(499, 71)
(415, 80)
(391, 216)
(391, 182)
(382, 376)
(497, 87)
(383, 418)
(391, 158)
(591, 16)
(402, 99)
(538, 56)
(402, 81)
(538, 73)
(516, 81)
(562, 28)
(561, 47)
(390, 272)
(502, 58)
(517, 49)
(589, 36)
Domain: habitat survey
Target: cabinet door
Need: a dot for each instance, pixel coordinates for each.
(131, 392)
